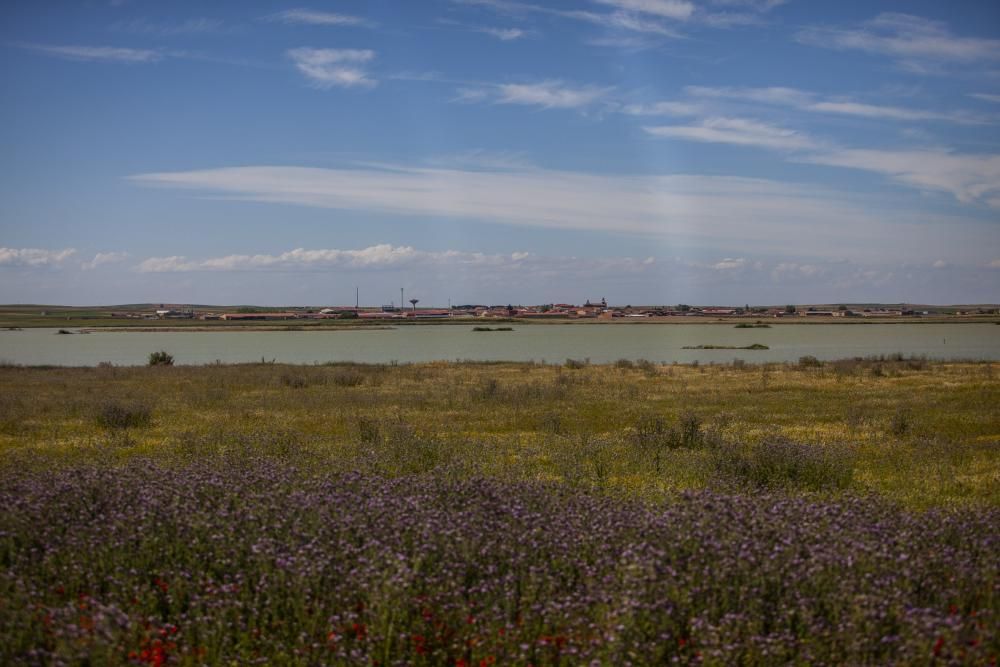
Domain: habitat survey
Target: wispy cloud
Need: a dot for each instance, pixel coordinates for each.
(313, 17)
(737, 131)
(756, 5)
(812, 102)
(772, 95)
(34, 257)
(969, 178)
(671, 9)
(326, 68)
(893, 113)
(737, 213)
(386, 257)
(111, 54)
(986, 97)
(544, 94)
(633, 21)
(915, 42)
(549, 94)
(666, 108)
(503, 34)
(103, 258)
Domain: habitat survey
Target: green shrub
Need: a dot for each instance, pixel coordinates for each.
(347, 378)
(777, 463)
(161, 358)
(809, 361)
(689, 430)
(902, 422)
(122, 415)
(294, 381)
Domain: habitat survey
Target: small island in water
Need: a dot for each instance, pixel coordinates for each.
(755, 346)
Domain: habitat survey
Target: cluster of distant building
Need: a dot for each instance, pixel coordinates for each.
(553, 311)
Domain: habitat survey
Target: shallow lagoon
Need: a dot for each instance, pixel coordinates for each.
(552, 343)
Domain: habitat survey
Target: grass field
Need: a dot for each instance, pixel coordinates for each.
(475, 514)
(921, 434)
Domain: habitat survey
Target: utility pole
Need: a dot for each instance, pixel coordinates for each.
(357, 298)
(401, 302)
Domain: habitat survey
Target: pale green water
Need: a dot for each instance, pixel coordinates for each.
(552, 343)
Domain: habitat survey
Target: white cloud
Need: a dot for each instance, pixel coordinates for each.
(940, 264)
(905, 37)
(651, 17)
(894, 113)
(469, 95)
(737, 131)
(34, 257)
(617, 20)
(503, 34)
(969, 177)
(662, 109)
(808, 101)
(386, 257)
(549, 94)
(97, 53)
(326, 68)
(995, 264)
(736, 214)
(103, 258)
(166, 264)
(311, 17)
(729, 264)
(671, 9)
(626, 42)
(986, 96)
(756, 5)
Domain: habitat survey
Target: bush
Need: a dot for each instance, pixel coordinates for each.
(777, 463)
(576, 364)
(901, 422)
(161, 358)
(119, 415)
(347, 378)
(551, 422)
(294, 381)
(488, 389)
(689, 430)
(809, 361)
(647, 366)
(624, 363)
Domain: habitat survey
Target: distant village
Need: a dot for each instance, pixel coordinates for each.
(599, 310)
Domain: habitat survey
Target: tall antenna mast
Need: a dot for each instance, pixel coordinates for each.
(401, 302)
(357, 298)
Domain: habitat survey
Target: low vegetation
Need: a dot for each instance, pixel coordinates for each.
(467, 514)
(161, 358)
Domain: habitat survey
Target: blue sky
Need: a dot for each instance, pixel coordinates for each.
(646, 151)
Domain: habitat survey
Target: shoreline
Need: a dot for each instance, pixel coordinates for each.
(116, 327)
